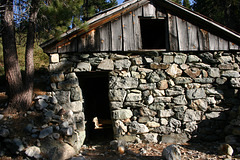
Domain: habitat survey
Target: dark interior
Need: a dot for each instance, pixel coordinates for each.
(153, 33)
(95, 90)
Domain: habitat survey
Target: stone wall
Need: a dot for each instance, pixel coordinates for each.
(154, 95)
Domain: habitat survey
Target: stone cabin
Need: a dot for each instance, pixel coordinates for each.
(150, 71)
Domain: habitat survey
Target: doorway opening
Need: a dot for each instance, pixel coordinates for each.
(95, 88)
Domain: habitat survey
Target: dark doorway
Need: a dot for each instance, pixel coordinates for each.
(153, 33)
(95, 88)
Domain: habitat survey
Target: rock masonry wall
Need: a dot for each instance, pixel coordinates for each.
(154, 96)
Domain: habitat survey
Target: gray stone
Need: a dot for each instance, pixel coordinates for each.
(53, 149)
(41, 104)
(157, 106)
(204, 80)
(122, 64)
(76, 94)
(209, 57)
(168, 59)
(138, 128)
(225, 59)
(164, 121)
(134, 97)
(149, 100)
(163, 99)
(235, 82)
(171, 152)
(196, 93)
(1, 116)
(122, 114)
(60, 67)
(226, 66)
(117, 95)
(180, 100)
(165, 130)
(174, 91)
(148, 86)
(68, 84)
(145, 70)
(180, 58)
(158, 93)
(4, 132)
(191, 115)
(150, 138)
(153, 77)
(183, 80)
(134, 104)
(174, 123)
(174, 71)
(175, 138)
(84, 66)
(191, 126)
(28, 128)
(143, 119)
(216, 92)
(106, 64)
(123, 83)
(67, 131)
(193, 59)
(54, 58)
(137, 60)
(33, 152)
(166, 113)
(46, 132)
(116, 105)
(17, 145)
(153, 124)
(63, 96)
(214, 72)
(221, 80)
(213, 115)
(231, 74)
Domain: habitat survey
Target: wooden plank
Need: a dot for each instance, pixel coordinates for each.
(192, 37)
(149, 10)
(105, 38)
(73, 45)
(137, 29)
(128, 38)
(90, 41)
(173, 36)
(223, 44)
(182, 34)
(213, 42)
(82, 43)
(117, 36)
(203, 40)
(233, 46)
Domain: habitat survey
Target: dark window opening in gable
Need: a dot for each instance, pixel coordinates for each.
(153, 33)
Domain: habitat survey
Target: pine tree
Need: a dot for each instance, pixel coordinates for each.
(224, 12)
(186, 3)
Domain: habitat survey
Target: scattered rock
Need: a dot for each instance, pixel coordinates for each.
(172, 152)
(33, 152)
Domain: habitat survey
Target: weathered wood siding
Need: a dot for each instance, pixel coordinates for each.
(124, 34)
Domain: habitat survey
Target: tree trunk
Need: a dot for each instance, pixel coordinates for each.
(11, 65)
(29, 61)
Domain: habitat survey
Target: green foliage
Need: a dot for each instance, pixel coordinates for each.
(177, 1)
(41, 60)
(226, 12)
(56, 16)
(92, 7)
(186, 3)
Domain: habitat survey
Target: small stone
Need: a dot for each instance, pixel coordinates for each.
(214, 72)
(33, 152)
(174, 71)
(106, 64)
(172, 152)
(193, 72)
(153, 124)
(46, 132)
(163, 84)
(166, 113)
(193, 59)
(122, 114)
(230, 73)
(150, 137)
(84, 66)
(4, 132)
(1, 116)
(138, 128)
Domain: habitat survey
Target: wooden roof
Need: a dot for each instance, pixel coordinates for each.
(119, 10)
